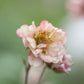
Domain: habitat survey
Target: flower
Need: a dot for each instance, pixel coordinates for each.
(45, 42)
(75, 7)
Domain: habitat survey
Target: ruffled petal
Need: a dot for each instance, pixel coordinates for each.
(22, 31)
(42, 46)
(34, 61)
(25, 42)
(37, 52)
(19, 33)
(32, 43)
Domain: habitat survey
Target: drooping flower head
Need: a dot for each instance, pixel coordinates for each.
(45, 42)
(62, 66)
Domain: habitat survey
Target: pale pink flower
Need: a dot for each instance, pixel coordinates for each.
(45, 42)
(75, 7)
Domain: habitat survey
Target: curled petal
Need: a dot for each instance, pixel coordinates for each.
(61, 35)
(44, 22)
(48, 58)
(34, 61)
(31, 42)
(44, 26)
(25, 42)
(19, 33)
(42, 46)
(37, 52)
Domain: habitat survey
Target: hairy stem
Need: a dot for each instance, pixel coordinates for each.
(41, 74)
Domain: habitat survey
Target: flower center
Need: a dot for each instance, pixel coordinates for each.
(43, 38)
(40, 39)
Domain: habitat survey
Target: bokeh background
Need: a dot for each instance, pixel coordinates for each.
(13, 14)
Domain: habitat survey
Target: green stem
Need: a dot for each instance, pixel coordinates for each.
(41, 74)
(26, 70)
(27, 73)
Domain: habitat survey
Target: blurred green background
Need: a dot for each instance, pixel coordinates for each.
(13, 14)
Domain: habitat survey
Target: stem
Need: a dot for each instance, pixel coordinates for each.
(41, 74)
(26, 75)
